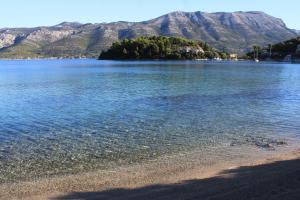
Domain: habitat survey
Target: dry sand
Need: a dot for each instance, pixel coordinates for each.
(253, 175)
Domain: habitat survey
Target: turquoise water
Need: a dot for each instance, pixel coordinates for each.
(70, 116)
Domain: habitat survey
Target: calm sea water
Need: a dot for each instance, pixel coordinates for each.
(69, 116)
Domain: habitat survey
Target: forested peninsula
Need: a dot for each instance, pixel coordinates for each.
(161, 47)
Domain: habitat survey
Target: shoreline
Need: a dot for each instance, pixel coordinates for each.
(141, 60)
(50, 58)
(168, 170)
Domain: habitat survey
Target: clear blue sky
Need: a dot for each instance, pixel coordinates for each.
(29, 13)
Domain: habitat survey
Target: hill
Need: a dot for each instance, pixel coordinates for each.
(234, 32)
(161, 48)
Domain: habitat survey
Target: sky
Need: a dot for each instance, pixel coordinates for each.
(31, 13)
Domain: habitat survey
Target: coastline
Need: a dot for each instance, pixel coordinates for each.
(46, 58)
(166, 171)
(141, 60)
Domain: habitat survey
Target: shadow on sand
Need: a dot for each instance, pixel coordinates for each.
(278, 180)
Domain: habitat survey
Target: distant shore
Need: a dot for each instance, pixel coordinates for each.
(46, 58)
(93, 58)
(175, 177)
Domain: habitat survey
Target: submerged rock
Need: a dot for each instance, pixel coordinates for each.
(281, 143)
(259, 141)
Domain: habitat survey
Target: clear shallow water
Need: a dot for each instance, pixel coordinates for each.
(70, 116)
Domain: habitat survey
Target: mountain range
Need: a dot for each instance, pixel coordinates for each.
(233, 32)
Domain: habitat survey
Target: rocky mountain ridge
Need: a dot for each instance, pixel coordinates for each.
(234, 32)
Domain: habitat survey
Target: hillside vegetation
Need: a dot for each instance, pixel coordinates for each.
(278, 51)
(161, 48)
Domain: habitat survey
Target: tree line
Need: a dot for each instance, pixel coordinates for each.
(277, 51)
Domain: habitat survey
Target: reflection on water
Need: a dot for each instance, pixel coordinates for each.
(59, 117)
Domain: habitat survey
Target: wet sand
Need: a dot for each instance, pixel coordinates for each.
(255, 174)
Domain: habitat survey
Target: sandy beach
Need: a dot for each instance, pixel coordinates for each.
(251, 176)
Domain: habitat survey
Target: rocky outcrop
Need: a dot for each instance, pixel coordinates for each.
(48, 35)
(6, 40)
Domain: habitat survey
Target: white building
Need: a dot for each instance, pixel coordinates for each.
(233, 56)
(192, 49)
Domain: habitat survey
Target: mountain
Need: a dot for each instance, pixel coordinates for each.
(233, 32)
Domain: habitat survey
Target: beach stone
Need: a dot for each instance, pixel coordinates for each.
(281, 143)
(269, 145)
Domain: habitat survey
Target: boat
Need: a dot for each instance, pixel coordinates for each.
(256, 55)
